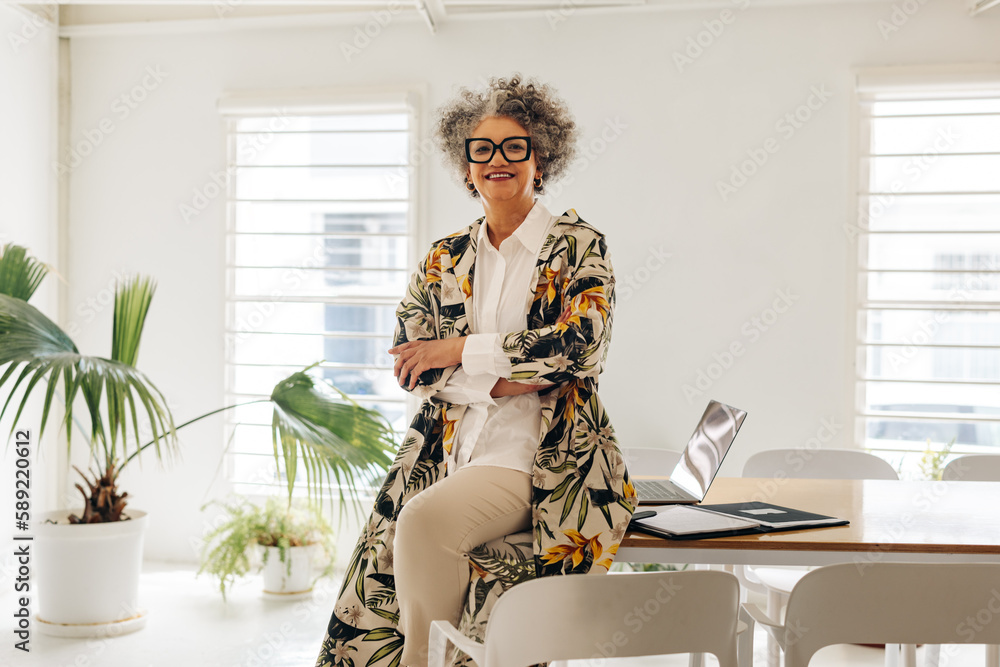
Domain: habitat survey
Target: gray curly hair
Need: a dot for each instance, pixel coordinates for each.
(532, 104)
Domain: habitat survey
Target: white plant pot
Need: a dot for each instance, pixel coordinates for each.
(88, 575)
(278, 581)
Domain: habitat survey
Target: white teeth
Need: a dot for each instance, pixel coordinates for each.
(495, 176)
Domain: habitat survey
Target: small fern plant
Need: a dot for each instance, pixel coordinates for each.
(933, 460)
(228, 547)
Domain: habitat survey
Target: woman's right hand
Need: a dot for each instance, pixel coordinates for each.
(504, 387)
(415, 357)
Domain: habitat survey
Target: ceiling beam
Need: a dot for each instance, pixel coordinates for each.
(47, 12)
(177, 16)
(433, 12)
(528, 4)
(982, 5)
(214, 24)
(174, 3)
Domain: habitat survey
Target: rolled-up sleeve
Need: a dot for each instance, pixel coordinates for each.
(483, 354)
(463, 388)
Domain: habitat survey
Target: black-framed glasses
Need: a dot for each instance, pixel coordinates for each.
(513, 149)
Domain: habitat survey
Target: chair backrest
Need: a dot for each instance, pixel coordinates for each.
(650, 461)
(973, 468)
(818, 464)
(576, 616)
(892, 603)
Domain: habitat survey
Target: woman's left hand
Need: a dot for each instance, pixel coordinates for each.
(417, 356)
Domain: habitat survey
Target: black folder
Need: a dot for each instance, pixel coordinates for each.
(760, 517)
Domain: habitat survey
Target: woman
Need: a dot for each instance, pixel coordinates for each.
(503, 331)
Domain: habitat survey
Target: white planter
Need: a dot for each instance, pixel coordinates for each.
(277, 580)
(88, 574)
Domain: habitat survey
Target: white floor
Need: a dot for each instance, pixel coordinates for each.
(189, 625)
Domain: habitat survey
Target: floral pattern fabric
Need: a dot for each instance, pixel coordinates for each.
(582, 496)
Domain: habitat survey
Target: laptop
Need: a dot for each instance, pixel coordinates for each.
(700, 462)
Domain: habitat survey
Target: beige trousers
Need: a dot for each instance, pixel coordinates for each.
(434, 533)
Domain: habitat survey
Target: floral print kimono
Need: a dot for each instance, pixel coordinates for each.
(582, 497)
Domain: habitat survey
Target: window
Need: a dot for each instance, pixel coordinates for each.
(319, 243)
(928, 239)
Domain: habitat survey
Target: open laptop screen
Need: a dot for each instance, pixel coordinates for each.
(703, 455)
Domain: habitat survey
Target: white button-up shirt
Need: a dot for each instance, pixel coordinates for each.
(504, 431)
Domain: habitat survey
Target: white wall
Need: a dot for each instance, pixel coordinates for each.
(28, 51)
(652, 187)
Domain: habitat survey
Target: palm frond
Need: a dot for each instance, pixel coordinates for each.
(20, 274)
(26, 331)
(132, 300)
(31, 342)
(316, 428)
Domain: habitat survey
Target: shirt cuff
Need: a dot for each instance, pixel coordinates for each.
(463, 388)
(483, 353)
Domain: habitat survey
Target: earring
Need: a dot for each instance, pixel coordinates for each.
(538, 182)
(470, 185)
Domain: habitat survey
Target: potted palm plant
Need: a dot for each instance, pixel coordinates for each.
(292, 544)
(315, 428)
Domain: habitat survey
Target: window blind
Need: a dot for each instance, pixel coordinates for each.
(928, 239)
(320, 223)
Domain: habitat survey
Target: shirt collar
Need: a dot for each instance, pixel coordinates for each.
(530, 232)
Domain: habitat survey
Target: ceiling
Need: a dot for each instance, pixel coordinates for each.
(82, 18)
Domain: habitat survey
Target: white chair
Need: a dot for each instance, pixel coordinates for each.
(777, 582)
(895, 603)
(973, 468)
(576, 617)
(818, 464)
(655, 461)
(976, 468)
(650, 461)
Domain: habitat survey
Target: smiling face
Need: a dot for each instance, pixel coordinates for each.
(499, 180)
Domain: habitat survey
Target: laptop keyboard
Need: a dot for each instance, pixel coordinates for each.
(648, 490)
